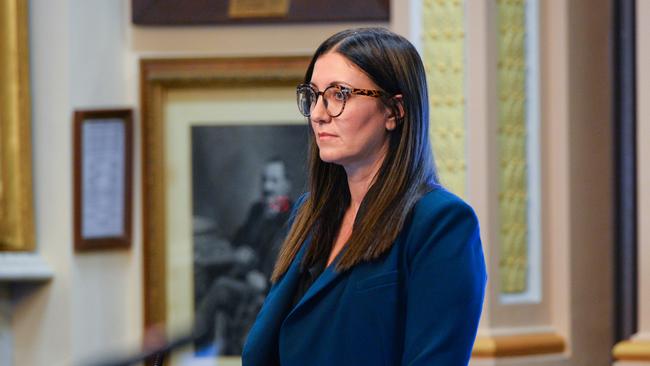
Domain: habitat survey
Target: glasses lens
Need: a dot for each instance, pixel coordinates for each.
(335, 98)
(305, 97)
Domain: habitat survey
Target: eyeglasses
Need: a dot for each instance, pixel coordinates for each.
(334, 98)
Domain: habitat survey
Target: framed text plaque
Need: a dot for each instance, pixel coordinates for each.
(103, 143)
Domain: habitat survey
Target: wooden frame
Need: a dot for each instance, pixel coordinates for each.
(97, 225)
(194, 12)
(16, 206)
(158, 78)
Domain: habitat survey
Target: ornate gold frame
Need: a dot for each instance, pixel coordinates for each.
(16, 206)
(157, 78)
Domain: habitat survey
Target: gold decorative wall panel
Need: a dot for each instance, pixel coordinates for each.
(443, 39)
(16, 208)
(513, 191)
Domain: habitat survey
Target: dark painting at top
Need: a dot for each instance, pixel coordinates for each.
(201, 12)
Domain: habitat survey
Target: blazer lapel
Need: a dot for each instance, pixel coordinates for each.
(262, 341)
(324, 281)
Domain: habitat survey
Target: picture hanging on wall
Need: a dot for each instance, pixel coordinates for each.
(195, 12)
(103, 144)
(224, 159)
(245, 179)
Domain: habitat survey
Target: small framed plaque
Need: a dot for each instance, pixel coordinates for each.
(103, 144)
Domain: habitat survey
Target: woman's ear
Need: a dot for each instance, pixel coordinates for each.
(396, 112)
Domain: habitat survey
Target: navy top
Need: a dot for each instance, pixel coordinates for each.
(307, 278)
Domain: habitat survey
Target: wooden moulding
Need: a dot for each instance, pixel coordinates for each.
(632, 350)
(518, 345)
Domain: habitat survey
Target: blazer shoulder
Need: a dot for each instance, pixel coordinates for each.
(438, 203)
(441, 221)
(297, 205)
(299, 202)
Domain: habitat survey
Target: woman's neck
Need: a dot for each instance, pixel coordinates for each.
(361, 177)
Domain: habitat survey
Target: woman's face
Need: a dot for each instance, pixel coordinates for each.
(358, 137)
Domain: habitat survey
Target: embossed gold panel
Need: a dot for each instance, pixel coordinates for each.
(16, 208)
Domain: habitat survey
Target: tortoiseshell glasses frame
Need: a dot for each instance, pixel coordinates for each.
(334, 97)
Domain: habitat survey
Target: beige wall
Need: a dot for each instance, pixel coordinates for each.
(42, 322)
(78, 60)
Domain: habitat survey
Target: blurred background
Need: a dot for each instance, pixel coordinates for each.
(538, 120)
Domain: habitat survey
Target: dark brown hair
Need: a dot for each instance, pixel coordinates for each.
(407, 172)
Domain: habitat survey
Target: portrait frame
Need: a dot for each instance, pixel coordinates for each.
(108, 164)
(198, 12)
(16, 195)
(159, 77)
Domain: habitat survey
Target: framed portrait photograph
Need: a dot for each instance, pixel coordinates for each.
(225, 152)
(103, 144)
(245, 179)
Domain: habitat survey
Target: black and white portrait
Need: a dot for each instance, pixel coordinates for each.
(245, 179)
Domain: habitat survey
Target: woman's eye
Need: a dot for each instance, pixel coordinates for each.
(339, 95)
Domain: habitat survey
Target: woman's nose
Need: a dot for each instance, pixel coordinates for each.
(319, 112)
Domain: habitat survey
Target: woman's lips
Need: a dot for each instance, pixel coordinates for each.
(325, 135)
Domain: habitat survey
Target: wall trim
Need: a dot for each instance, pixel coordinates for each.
(518, 345)
(632, 350)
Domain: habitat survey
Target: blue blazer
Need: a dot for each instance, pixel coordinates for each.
(419, 304)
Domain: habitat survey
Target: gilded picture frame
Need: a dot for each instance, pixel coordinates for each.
(161, 78)
(16, 197)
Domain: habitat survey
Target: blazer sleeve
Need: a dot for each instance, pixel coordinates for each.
(445, 285)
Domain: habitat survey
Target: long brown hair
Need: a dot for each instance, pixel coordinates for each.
(407, 172)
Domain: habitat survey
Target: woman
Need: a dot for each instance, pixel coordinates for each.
(381, 266)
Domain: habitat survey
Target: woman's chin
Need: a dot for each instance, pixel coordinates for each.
(329, 158)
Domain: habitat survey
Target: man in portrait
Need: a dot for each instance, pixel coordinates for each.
(263, 230)
(243, 267)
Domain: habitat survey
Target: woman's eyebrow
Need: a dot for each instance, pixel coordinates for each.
(332, 83)
(339, 83)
